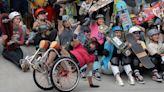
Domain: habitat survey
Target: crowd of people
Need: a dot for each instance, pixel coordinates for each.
(84, 36)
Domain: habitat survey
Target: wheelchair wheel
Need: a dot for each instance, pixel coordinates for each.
(42, 79)
(65, 74)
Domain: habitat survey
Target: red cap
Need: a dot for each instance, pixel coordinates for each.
(39, 10)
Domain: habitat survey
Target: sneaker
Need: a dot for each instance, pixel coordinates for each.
(83, 75)
(24, 65)
(119, 80)
(156, 77)
(97, 75)
(139, 77)
(131, 79)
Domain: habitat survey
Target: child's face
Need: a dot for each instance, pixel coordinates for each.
(118, 34)
(17, 20)
(100, 21)
(42, 16)
(155, 37)
(66, 24)
(136, 35)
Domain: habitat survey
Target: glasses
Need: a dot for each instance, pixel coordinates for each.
(41, 13)
(138, 32)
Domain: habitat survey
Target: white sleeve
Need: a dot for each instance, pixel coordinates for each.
(151, 49)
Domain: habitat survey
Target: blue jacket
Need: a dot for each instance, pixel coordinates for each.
(106, 59)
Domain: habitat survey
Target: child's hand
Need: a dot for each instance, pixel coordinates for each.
(21, 24)
(129, 44)
(108, 39)
(11, 42)
(27, 31)
(4, 37)
(141, 65)
(139, 42)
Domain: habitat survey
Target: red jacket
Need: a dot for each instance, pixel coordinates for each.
(82, 55)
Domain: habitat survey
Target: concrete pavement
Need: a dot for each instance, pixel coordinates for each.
(14, 80)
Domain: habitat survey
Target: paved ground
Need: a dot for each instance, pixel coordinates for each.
(14, 80)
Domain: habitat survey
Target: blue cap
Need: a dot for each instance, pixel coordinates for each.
(117, 28)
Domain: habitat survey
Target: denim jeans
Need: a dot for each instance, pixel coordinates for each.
(14, 56)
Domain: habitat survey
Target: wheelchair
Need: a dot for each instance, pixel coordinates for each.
(64, 75)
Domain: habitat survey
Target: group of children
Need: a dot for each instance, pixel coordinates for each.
(89, 42)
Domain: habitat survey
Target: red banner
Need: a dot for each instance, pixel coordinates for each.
(147, 14)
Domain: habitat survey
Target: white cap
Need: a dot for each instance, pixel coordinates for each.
(13, 14)
(134, 29)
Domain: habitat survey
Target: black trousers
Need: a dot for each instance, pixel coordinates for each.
(155, 59)
(135, 62)
(120, 58)
(14, 56)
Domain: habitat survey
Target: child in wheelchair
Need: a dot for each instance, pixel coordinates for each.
(80, 54)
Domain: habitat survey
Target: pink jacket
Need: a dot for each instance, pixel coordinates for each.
(96, 33)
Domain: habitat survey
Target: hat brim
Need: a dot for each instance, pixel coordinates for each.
(42, 12)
